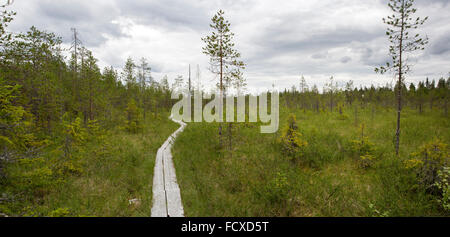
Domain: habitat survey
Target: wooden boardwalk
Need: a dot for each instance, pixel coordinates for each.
(166, 192)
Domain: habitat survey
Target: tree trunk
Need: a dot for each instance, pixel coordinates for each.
(399, 92)
(221, 91)
(143, 105)
(331, 102)
(230, 137)
(445, 108)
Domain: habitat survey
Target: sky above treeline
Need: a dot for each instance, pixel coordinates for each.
(278, 40)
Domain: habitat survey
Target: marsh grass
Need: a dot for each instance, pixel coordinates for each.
(256, 179)
(116, 169)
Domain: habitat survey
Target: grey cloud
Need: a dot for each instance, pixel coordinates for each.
(319, 55)
(440, 45)
(345, 59)
(428, 2)
(275, 45)
(171, 14)
(321, 40)
(92, 20)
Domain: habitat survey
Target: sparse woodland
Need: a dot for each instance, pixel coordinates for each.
(77, 140)
(61, 116)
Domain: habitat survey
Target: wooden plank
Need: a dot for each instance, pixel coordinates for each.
(166, 192)
(159, 208)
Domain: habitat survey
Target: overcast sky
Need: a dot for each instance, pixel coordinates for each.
(279, 40)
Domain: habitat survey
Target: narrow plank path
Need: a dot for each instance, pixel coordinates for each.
(166, 192)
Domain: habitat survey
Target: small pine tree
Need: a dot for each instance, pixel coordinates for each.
(401, 23)
(224, 58)
(291, 139)
(133, 123)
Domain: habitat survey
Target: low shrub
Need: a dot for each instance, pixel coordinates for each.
(133, 114)
(291, 140)
(364, 150)
(444, 188)
(342, 117)
(60, 212)
(427, 162)
(276, 191)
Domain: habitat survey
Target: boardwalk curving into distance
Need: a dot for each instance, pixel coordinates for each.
(166, 192)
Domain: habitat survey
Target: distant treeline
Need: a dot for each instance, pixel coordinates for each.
(427, 94)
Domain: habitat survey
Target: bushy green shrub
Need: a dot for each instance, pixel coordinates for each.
(133, 124)
(10, 115)
(74, 130)
(364, 150)
(276, 190)
(70, 167)
(75, 135)
(291, 140)
(444, 188)
(431, 158)
(36, 177)
(342, 117)
(60, 212)
(95, 130)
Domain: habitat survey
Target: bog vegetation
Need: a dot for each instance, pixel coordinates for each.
(323, 163)
(339, 152)
(76, 140)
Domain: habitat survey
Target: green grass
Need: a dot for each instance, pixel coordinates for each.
(256, 179)
(115, 170)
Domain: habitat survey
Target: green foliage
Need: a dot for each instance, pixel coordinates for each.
(133, 123)
(69, 167)
(56, 160)
(366, 161)
(55, 114)
(60, 212)
(76, 132)
(401, 23)
(332, 186)
(10, 115)
(364, 150)
(291, 140)
(428, 161)
(342, 117)
(76, 136)
(95, 130)
(443, 185)
(37, 177)
(276, 191)
(377, 213)
(223, 55)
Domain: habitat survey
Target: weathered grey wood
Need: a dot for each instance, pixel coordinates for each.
(166, 192)
(159, 208)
